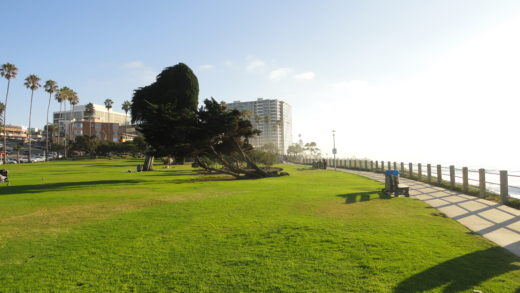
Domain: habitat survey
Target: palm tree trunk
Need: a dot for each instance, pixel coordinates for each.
(60, 121)
(30, 136)
(5, 115)
(126, 122)
(64, 132)
(70, 126)
(47, 131)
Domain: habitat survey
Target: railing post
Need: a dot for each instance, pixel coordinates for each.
(377, 165)
(410, 170)
(371, 165)
(452, 176)
(366, 164)
(383, 166)
(429, 172)
(395, 166)
(389, 165)
(482, 182)
(402, 168)
(465, 179)
(504, 187)
(419, 171)
(439, 174)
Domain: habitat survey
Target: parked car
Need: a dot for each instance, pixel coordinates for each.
(12, 161)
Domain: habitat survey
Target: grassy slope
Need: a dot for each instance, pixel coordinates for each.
(87, 225)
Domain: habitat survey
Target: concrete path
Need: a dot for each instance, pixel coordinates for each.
(494, 221)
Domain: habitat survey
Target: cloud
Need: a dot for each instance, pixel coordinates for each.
(139, 72)
(280, 73)
(304, 76)
(255, 65)
(132, 65)
(206, 67)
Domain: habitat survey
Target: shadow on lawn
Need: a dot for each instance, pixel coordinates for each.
(462, 273)
(363, 196)
(38, 188)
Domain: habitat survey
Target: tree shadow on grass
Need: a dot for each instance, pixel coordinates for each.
(170, 172)
(363, 196)
(38, 188)
(462, 273)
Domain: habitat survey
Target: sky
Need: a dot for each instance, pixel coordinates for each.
(412, 81)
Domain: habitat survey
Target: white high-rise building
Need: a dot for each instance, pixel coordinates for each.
(273, 117)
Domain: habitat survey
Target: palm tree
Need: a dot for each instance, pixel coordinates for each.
(51, 87)
(63, 96)
(126, 107)
(73, 100)
(8, 71)
(89, 112)
(2, 109)
(60, 97)
(32, 82)
(17, 148)
(108, 105)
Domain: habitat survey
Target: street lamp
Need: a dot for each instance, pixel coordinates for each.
(334, 151)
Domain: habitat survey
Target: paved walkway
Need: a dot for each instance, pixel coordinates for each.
(494, 221)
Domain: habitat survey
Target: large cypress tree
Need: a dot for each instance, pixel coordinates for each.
(166, 109)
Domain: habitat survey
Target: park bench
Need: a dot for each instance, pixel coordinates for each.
(392, 185)
(4, 178)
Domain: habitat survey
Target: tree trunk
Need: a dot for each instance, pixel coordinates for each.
(29, 130)
(235, 169)
(47, 130)
(148, 162)
(210, 169)
(5, 117)
(246, 158)
(64, 133)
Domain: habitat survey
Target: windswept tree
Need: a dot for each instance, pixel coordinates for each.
(51, 87)
(32, 82)
(108, 105)
(90, 111)
(7, 71)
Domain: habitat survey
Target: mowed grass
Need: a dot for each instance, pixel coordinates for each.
(90, 226)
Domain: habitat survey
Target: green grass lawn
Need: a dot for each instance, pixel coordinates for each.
(89, 226)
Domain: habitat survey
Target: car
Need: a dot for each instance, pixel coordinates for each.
(12, 161)
(24, 160)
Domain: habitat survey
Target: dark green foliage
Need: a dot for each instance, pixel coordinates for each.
(176, 87)
(165, 111)
(265, 158)
(85, 143)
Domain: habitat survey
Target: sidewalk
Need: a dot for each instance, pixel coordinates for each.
(494, 221)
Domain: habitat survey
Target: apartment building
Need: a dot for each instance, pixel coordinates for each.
(273, 117)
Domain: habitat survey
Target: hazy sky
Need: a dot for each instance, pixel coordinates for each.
(429, 81)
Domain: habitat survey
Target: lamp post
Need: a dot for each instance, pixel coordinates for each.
(334, 151)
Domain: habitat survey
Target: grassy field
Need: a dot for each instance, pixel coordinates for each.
(90, 226)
